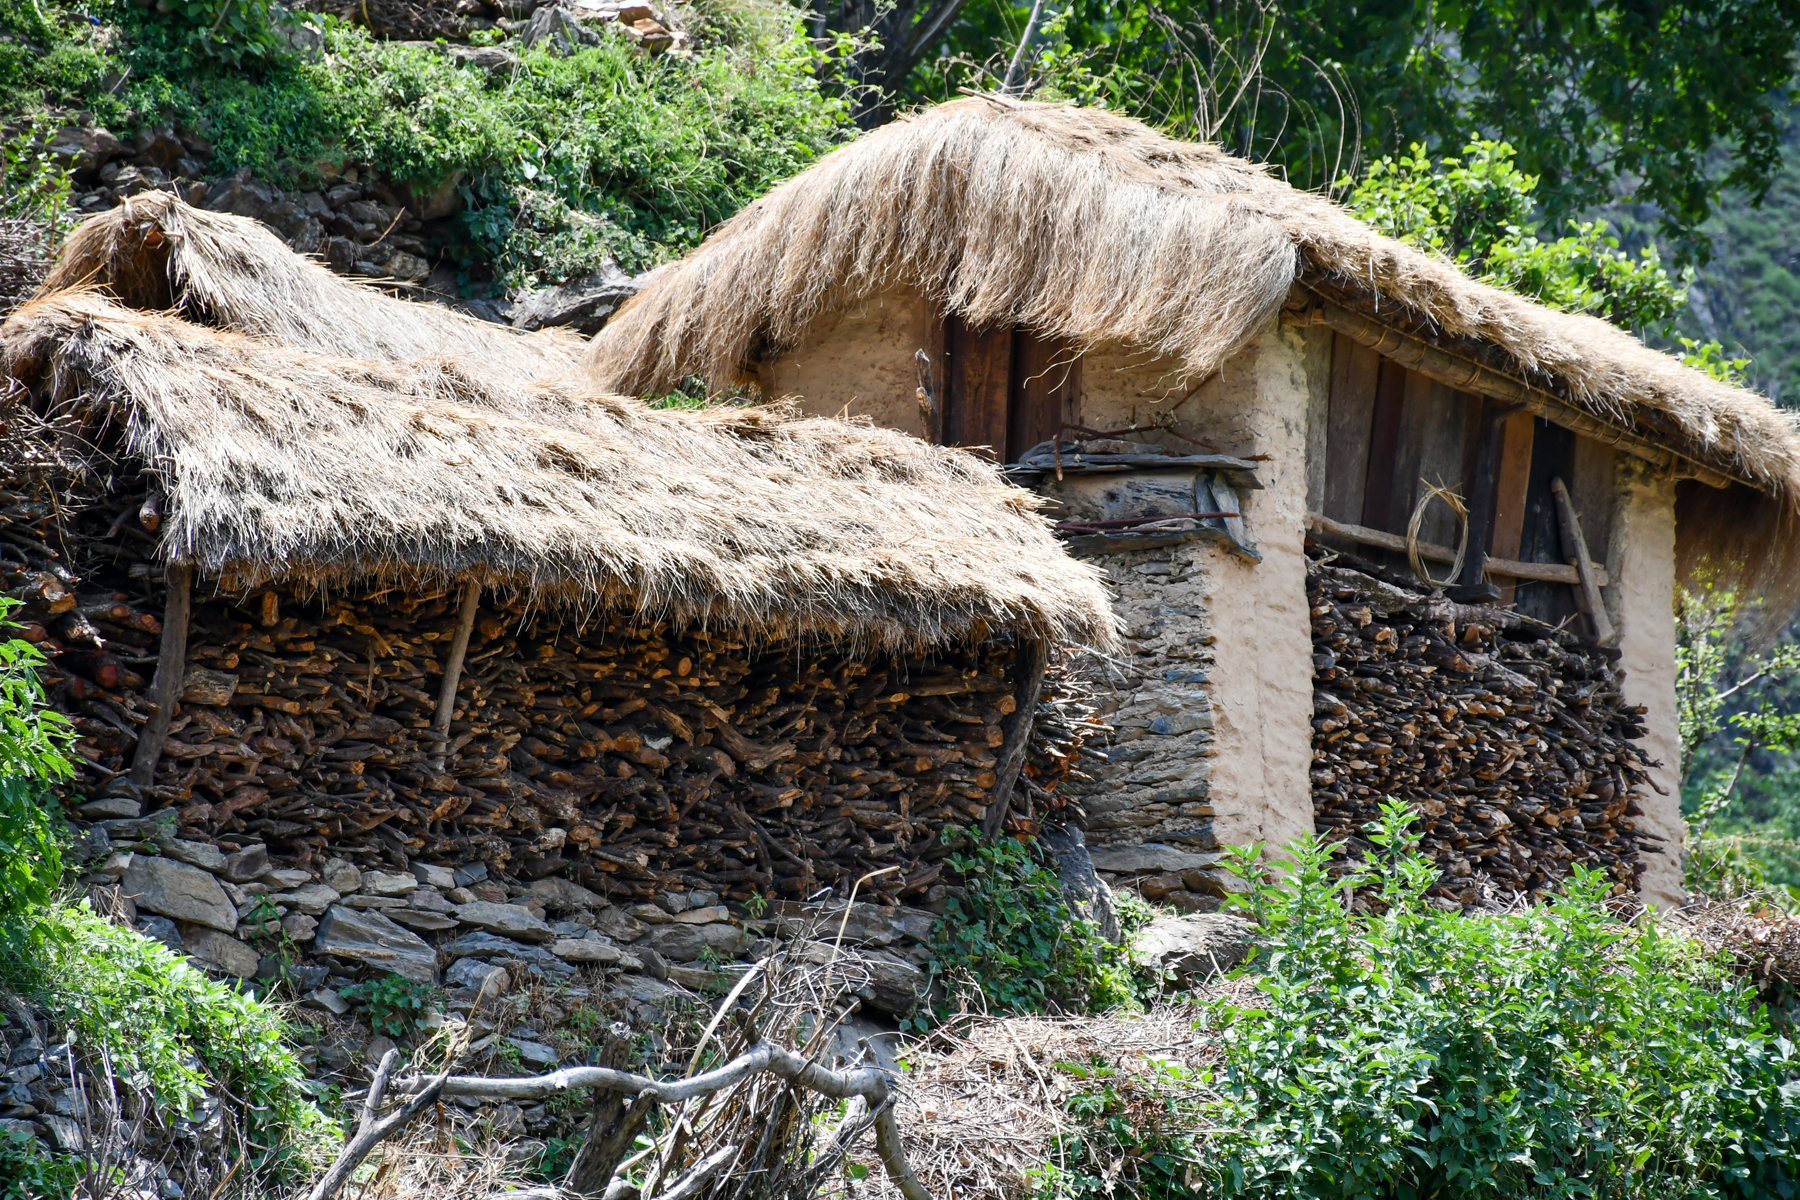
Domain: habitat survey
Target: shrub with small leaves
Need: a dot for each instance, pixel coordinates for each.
(394, 1004)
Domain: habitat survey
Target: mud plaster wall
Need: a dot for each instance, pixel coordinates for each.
(1215, 691)
(1640, 558)
(859, 362)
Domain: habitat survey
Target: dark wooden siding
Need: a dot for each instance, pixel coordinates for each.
(1391, 431)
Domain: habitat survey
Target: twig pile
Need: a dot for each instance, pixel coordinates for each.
(1512, 739)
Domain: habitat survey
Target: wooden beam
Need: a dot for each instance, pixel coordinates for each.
(1587, 586)
(171, 665)
(1468, 376)
(1542, 572)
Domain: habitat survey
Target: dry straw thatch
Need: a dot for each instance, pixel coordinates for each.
(1081, 224)
(283, 462)
(154, 252)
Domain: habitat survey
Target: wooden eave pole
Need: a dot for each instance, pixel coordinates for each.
(1034, 661)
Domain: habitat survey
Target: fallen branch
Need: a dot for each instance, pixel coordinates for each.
(371, 1131)
(868, 1083)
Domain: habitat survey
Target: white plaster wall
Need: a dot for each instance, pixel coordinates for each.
(1640, 599)
(1262, 661)
(859, 362)
(1261, 678)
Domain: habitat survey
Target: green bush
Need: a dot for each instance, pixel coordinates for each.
(33, 744)
(168, 1029)
(29, 1172)
(561, 163)
(394, 1004)
(1415, 1052)
(1011, 942)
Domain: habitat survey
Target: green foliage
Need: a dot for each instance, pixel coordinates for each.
(1476, 210)
(1739, 732)
(33, 744)
(28, 1172)
(169, 1030)
(1139, 1134)
(1547, 1053)
(237, 33)
(1668, 103)
(561, 163)
(394, 1004)
(1011, 942)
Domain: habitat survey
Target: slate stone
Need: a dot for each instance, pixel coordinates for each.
(582, 304)
(115, 807)
(220, 950)
(429, 922)
(383, 883)
(586, 950)
(565, 895)
(534, 1054)
(373, 940)
(469, 873)
(509, 920)
(204, 855)
(702, 916)
(896, 986)
(160, 928)
(312, 899)
(286, 877)
(432, 875)
(1193, 946)
(342, 875)
(1150, 856)
(473, 973)
(488, 946)
(1086, 894)
(677, 943)
(174, 889)
(241, 866)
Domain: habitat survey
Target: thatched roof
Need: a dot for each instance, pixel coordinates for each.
(1085, 225)
(282, 461)
(155, 252)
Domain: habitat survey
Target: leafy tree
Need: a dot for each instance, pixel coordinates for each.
(1602, 99)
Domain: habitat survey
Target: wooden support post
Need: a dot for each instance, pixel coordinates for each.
(171, 664)
(453, 665)
(1575, 546)
(1034, 660)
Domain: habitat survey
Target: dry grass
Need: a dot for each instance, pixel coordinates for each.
(156, 253)
(282, 462)
(987, 1098)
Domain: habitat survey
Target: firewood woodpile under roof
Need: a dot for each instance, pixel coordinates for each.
(420, 607)
(1511, 738)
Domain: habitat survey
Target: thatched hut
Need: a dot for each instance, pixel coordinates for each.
(1150, 330)
(343, 576)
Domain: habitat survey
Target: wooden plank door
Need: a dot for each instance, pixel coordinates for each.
(978, 385)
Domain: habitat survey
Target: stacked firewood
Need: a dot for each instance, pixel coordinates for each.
(635, 756)
(1511, 739)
